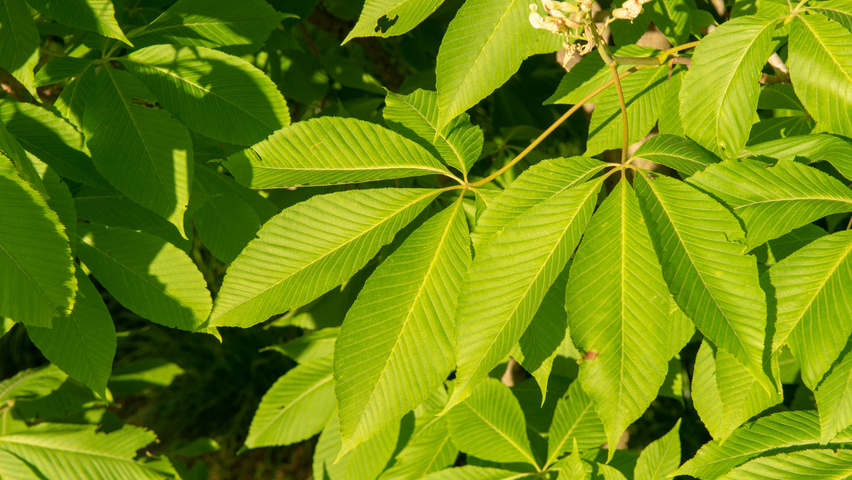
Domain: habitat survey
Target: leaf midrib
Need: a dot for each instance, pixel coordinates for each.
(502, 434)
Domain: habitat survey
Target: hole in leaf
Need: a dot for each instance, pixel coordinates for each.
(385, 23)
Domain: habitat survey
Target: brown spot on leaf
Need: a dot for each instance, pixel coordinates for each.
(590, 355)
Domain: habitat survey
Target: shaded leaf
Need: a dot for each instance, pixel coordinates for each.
(386, 18)
(19, 37)
(92, 15)
(214, 94)
(575, 420)
(681, 154)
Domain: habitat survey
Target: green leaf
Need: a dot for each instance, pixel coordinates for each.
(72, 101)
(815, 147)
(365, 461)
(22, 163)
(802, 465)
(226, 225)
(538, 346)
(719, 380)
(35, 258)
(575, 420)
(310, 346)
(31, 384)
(214, 94)
(819, 45)
(210, 180)
(774, 201)
(114, 209)
(59, 69)
(672, 17)
(780, 127)
(148, 275)
(779, 96)
(681, 154)
(329, 151)
(93, 15)
(296, 407)
(310, 248)
(643, 93)
(415, 116)
(53, 140)
(484, 45)
(810, 288)
(19, 37)
(386, 18)
(694, 237)
(82, 343)
(156, 151)
(429, 449)
(660, 458)
(135, 377)
(490, 425)
(202, 23)
(396, 343)
(509, 278)
(79, 451)
(838, 10)
(782, 247)
(670, 122)
(535, 185)
(833, 399)
(618, 306)
(470, 472)
(767, 435)
(720, 91)
(14, 468)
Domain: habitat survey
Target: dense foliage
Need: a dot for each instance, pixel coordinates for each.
(668, 273)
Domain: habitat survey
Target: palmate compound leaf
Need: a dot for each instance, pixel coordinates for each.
(660, 458)
(396, 343)
(484, 45)
(148, 275)
(203, 23)
(773, 201)
(155, 150)
(681, 154)
(296, 407)
(415, 116)
(330, 151)
(618, 309)
(35, 257)
(720, 91)
(575, 419)
(310, 248)
(92, 15)
(774, 433)
(215, 94)
(490, 425)
(81, 452)
(725, 393)
(509, 278)
(401, 16)
(83, 342)
(538, 183)
(704, 264)
(814, 317)
(821, 71)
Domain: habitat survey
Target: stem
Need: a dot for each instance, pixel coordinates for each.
(638, 61)
(685, 46)
(613, 67)
(848, 225)
(550, 129)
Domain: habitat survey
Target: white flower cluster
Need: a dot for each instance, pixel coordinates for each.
(565, 19)
(629, 10)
